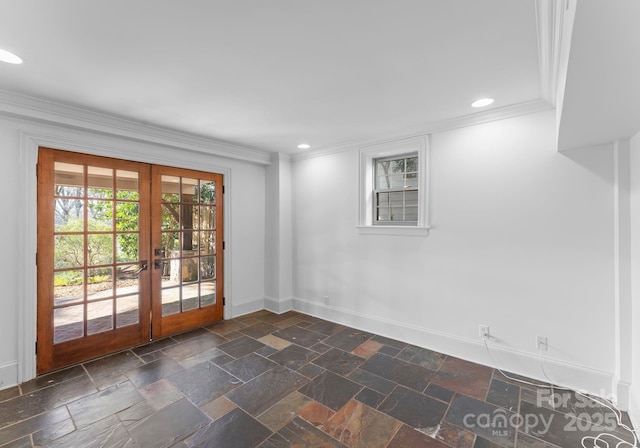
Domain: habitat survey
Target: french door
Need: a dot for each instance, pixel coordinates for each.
(127, 252)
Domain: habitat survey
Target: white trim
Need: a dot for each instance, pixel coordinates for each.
(278, 306)
(8, 375)
(498, 113)
(108, 146)
(366, 181)
(622, 271)
(32, 108)
(550, 22)
(393, 230)
(569, 375)
(634, 406)
(246, 308)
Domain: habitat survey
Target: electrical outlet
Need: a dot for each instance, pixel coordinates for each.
(541, 343)
(484, 331)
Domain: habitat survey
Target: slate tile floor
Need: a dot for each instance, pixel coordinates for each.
(287, 380)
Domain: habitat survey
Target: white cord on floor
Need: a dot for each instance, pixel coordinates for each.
(597, 440)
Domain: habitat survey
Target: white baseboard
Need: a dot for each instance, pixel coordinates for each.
(278, 306)
(565, 374)
(634, 406)
(246, 308)
(8, 375)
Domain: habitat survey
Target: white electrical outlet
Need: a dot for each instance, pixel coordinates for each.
(484, 331)
(541, 343)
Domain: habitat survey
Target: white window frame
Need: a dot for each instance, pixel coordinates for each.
(368, 155)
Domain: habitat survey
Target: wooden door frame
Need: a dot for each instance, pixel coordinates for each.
(30, 140)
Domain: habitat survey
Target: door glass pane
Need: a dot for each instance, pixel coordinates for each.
(127, 247)
(68, 180)
(127, 185)
(207, 192)
(127, 216)
(190, 296)
(207, 218)
(100, 215)
(99, 249)
(207, 293)
(207, 268)
(99, 182)
(170, 216)
(99, 316)
(127, 311)
(170, 301)
(127, 279)
(99, 283)
(170, 188)
(171, 244)
(68, 287)
(207, 243)
(68, 323)
(189, 270)
(68, 251)
(189, 190)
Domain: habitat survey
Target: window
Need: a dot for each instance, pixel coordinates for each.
(393, 188)
(396, 190)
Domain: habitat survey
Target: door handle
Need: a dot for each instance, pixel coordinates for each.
(143, 267)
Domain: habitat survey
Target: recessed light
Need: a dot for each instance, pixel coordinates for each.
(303, 146)
(482, 102)
(7, 56)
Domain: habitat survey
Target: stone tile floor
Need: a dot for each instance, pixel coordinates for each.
(287, 380)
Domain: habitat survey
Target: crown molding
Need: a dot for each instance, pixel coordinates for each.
(51, 112)
(550, 19)
(499, 113)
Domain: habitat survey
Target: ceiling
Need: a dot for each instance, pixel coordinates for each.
(272, 74)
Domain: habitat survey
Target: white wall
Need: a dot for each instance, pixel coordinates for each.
(244, 220)
(521, 240)
(634, 399)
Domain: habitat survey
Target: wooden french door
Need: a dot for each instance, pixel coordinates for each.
(127, 252)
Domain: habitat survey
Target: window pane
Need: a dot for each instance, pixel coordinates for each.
(411, 198)
(171, 244)
(411, 214)
(397, 214)
(412, 165)
(412, 180)
(397, 166)
(396, 199)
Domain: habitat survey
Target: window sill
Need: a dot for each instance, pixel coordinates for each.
(393, 230)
